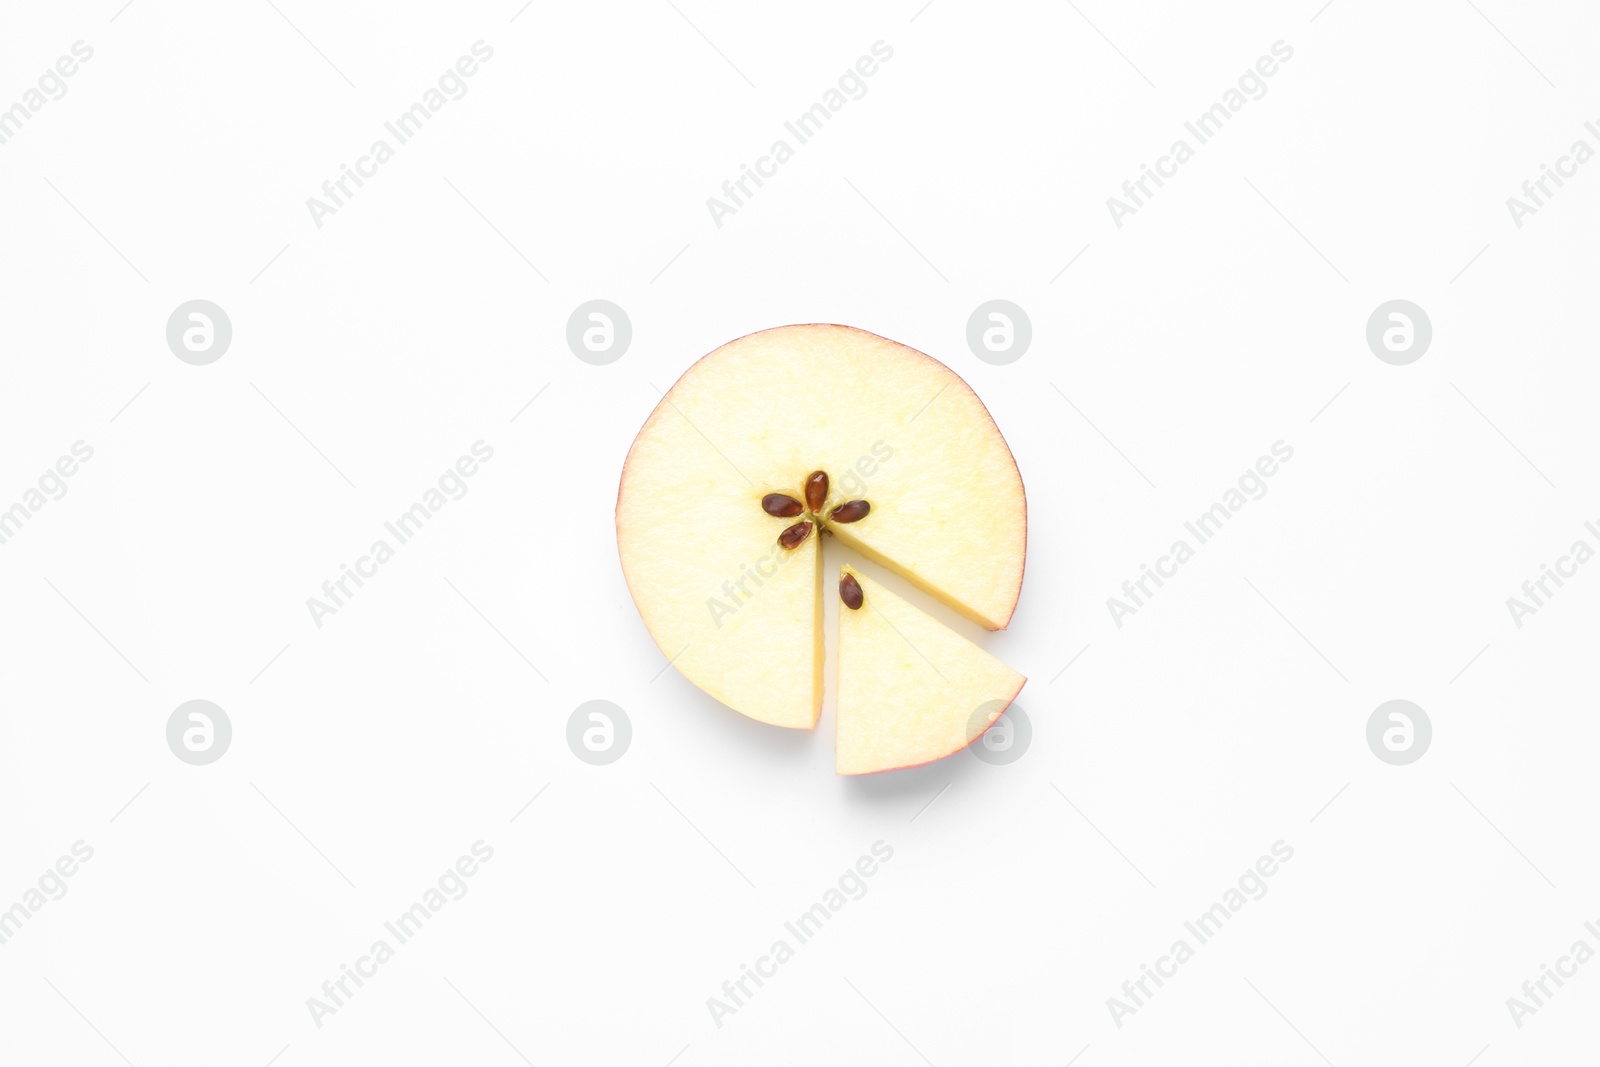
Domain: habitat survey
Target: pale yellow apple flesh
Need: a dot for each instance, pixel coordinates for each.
(911, 690)
(736, 613)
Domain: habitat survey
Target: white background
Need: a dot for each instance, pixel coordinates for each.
(370, 353)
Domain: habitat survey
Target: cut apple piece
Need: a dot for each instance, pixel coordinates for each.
(738, 612)
(911, 690)
(830, 426)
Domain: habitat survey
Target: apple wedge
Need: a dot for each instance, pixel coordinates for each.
(780, 438)
(911, 690)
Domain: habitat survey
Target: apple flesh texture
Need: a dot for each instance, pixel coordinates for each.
(910, 688)
(738, 614)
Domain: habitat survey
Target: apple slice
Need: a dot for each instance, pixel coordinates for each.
(915, 476)
(911, 690)
(741, 617)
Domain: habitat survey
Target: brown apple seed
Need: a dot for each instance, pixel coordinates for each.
(792, 537)
(851, 511)
(850, 592)
(816, 490)
(784, 507)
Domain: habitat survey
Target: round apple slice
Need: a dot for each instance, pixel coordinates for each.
(918, 479)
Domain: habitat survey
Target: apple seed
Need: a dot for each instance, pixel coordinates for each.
(784, 507)
(816, 490)
(792, 537)
(850, 592)
(851, 511)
